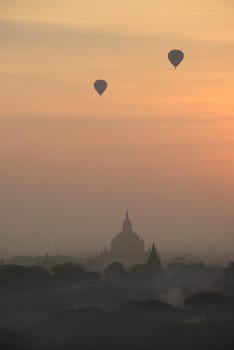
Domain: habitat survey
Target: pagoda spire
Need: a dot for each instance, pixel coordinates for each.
(127, 216)
(154, 260)
(127, 225)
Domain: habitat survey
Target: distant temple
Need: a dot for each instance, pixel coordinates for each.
(127, 247)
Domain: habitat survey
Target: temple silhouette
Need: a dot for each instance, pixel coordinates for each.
(129, 248)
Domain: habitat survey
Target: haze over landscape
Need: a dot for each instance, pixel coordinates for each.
(159, 142)
(117, 174)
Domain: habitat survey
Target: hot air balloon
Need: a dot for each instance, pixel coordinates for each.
(175, 57)
(100, 86)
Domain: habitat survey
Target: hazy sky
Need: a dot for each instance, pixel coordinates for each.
(159, 141)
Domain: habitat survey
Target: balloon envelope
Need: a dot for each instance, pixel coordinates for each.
(100, 86)
(175, 57)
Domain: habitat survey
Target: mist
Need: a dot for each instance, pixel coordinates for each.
(66, 183)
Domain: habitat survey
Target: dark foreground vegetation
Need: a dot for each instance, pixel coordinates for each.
(183, 307)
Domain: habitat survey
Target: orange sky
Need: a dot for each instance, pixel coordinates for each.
(159, 141)
(52, 51)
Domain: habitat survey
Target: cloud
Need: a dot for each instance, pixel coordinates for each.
(46, 34)
(61, 120)
(52, 35)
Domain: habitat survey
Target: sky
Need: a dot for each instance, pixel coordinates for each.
(159, 142)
